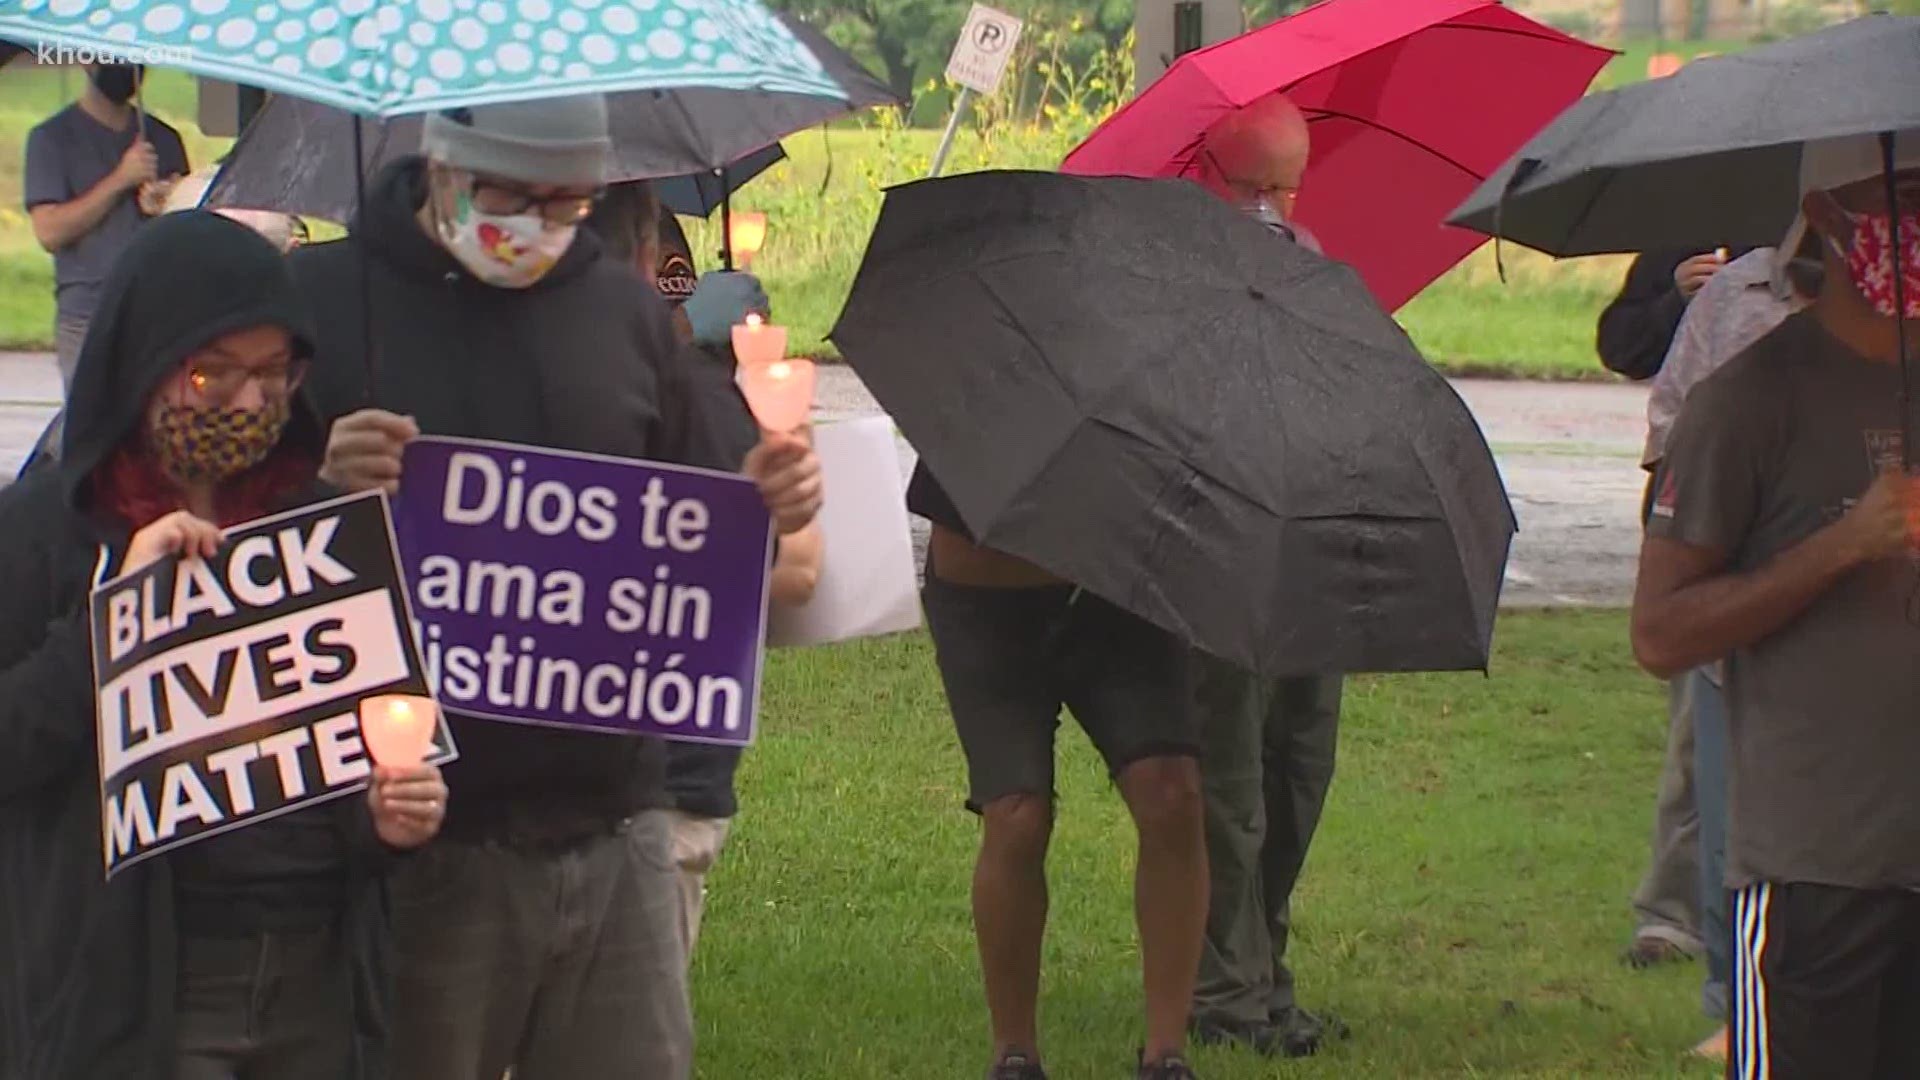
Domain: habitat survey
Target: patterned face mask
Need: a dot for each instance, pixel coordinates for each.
(1869, 260)
(506, 251)
(198, 444)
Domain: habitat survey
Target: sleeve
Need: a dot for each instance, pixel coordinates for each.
(1636, 329)
(46, 667)
(1683, 366)
(170, 150)
(704, 420)
(1708, 491)
(45, 177)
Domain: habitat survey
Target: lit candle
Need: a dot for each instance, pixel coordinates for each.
(746, 234)
(757, 342)
(780, 393)
(398, 728)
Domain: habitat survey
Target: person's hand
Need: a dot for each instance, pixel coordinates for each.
(1692, 276)
(787, 472)
(363, 450)
(152, 196)
(720, 301)
(408, 805)
(137, 166)
(1878, 526)
(179, 534)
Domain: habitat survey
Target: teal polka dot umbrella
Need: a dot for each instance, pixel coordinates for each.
(391, 57)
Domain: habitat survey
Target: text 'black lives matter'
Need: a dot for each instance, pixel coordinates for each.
(228, 689)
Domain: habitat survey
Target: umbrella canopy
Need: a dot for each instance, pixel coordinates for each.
(1145, 392)
(698, 194)
(1411, 102)
(1707, 157)
(387, 57)
(297, 155)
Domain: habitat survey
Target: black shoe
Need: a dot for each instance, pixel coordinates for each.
(1171, 1067)
(1260, 1038)
(1016, 1066)
(1297, 1033)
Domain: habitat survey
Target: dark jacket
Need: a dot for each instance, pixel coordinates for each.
(1637, 329)
(88, 984)
(583, 360)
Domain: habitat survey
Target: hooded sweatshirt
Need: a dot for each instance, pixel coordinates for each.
(584, 360)
(87, 986)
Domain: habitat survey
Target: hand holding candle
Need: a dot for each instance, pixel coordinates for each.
(780, 393)
(398, 729)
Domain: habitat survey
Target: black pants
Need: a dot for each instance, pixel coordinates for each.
(273, 1006)
(1826, 984)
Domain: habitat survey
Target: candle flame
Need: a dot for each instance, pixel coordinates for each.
(399, 710)
(780, 369)
(753, 320)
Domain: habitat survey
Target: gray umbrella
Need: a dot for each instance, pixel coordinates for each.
(297, 156)
(1145, 392)
(1704, 158)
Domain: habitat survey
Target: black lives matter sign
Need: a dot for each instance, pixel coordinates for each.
(228, 689)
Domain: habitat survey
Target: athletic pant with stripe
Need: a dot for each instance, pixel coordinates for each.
(1826, 984)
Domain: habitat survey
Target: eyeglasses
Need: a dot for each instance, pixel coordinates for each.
(507, 200)
(221, 382)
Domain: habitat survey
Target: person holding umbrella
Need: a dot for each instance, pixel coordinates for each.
(1268, 744)
(94, 171)
(1782, 538)
(541, 933)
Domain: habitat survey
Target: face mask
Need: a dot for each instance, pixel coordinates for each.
(1869, 260)
(115, 82)
(510, 252)
(200, 444)
(1263, 212)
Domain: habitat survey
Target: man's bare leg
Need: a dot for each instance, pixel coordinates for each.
(1169, 890)
(1010, 915)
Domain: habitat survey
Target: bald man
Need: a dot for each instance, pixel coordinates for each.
(1267, 746)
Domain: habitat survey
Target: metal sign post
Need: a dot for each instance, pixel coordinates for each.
(978, 63)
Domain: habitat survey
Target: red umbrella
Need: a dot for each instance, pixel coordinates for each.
(1412, 104)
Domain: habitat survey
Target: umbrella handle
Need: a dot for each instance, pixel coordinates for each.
(1888, 161)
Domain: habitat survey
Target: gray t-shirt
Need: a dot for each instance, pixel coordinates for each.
(66, 156)
(1825, 713)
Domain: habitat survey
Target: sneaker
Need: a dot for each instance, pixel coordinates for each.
(1651, 952)
(1171, 1067)
(1297, 1033)
(1015, 1065)
(1262, 1039)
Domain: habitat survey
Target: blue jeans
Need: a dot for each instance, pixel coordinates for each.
(1708, 705)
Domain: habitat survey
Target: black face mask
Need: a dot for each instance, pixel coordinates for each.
(116, 82)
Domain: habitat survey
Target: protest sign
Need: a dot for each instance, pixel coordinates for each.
(867, 585)
(227, 688)
(586, 591)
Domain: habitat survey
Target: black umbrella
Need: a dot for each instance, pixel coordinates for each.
(1143, 391)
(699, 194)
(296, 155)
(1707, 157)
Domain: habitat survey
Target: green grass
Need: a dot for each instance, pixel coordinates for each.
(1464, 906)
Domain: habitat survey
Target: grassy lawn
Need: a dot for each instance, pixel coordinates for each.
(1463, 909)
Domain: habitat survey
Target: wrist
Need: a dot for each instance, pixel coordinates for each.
(1839, 550)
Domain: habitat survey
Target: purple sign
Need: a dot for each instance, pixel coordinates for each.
(585, 591)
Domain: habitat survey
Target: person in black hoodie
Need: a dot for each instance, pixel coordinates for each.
(540, 933)
(633, 228)
(256, 953)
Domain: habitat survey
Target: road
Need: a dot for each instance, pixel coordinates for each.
(1569, 454)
